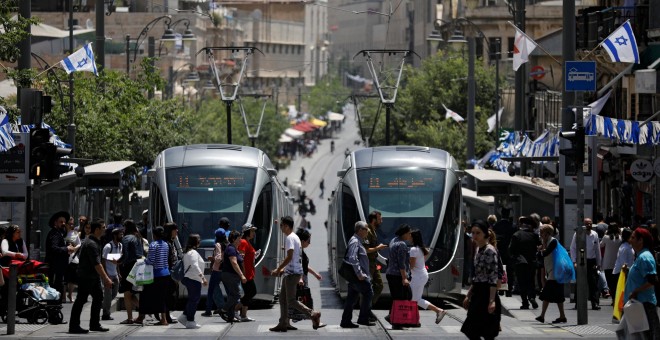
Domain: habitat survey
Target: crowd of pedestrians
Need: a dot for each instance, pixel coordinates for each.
(99, 263)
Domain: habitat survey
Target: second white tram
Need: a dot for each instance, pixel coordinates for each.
(419, 186)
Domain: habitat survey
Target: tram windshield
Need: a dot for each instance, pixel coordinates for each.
(403, 195)
(200, 196)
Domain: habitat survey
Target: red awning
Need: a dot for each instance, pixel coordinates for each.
(305, 127)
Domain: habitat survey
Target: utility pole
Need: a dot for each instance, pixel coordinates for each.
(497, 92)
(300, 84)
(471, 102)
(100, 34)
(521, 76)
(71, 131)
(25, 63)
(568, 118)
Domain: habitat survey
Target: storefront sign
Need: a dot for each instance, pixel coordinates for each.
(641, 170)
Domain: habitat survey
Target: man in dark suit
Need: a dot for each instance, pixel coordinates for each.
(504, 229)
(522, 250)
(57, 252)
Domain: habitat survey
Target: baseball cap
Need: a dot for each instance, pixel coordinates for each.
(220, 231)
(248, 226)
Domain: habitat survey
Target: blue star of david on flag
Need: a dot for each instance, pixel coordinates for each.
(621, 45)
(81, 60)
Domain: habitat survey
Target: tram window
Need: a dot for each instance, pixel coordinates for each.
(444, 249)
(403, 195)
(262, 218)
(200, 196)
(349, 213)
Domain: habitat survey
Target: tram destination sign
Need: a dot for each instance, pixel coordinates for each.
(580, 76)
(189, 181)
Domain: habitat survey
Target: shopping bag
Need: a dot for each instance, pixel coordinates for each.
(144, 275)
(404, 312)
(618, 298)
(636, 320)
(133, 273)
(304, 295)
(563, 265)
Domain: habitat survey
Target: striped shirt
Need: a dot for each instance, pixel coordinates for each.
(158, 256)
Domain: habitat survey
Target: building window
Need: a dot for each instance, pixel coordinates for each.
(509, 53)
(494, 46)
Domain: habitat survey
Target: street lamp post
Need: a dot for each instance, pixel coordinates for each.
(471, 102)
(497, 92)
(168, 38)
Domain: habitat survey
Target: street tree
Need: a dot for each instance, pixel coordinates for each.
(210, 124)
(14, 31)
(419, 116)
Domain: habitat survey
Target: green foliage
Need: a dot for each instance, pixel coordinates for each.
(210, 125)
(14, 31)
(115, 120)
(420, 116)
(327, 95)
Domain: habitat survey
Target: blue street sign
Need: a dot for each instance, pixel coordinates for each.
(580, 76)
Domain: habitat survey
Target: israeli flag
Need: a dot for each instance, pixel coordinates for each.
(621, 45)
(81, 60)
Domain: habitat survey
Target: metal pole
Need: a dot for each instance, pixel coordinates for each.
(152, 52)
(300, 82)
(568, 117)
(471, 102)
(25, 45)
(520, 115)
(581, 236)
(128, 55)
(71, 131)
(497, 92)
(387, 123)
(100, 34)
(228, 102)
(11, 299)
(170, 82)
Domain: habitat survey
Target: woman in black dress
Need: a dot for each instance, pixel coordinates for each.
(482, 303)
(553, 292)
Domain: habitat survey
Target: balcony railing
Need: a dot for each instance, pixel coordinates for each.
(593, 24)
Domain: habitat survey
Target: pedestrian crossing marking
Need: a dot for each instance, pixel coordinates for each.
(451, 329)
(525, 330)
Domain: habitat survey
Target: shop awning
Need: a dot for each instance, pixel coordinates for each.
(42, 30)
(285, 139)
(305, 127)
(294, 133)
(318, 122)
(333, 116)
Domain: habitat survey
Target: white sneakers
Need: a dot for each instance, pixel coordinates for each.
(441, 314)
(183, 319)
(192, 325)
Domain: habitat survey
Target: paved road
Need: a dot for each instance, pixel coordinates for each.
(516, 324)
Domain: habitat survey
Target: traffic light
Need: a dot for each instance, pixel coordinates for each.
(53, 167)
(45, 157)
(576, 152)
(39, 139)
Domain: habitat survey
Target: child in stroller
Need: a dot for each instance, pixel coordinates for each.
(36, 301)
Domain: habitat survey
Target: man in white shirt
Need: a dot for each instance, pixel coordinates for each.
(593, 256)
(292, 270)
(110, 293)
